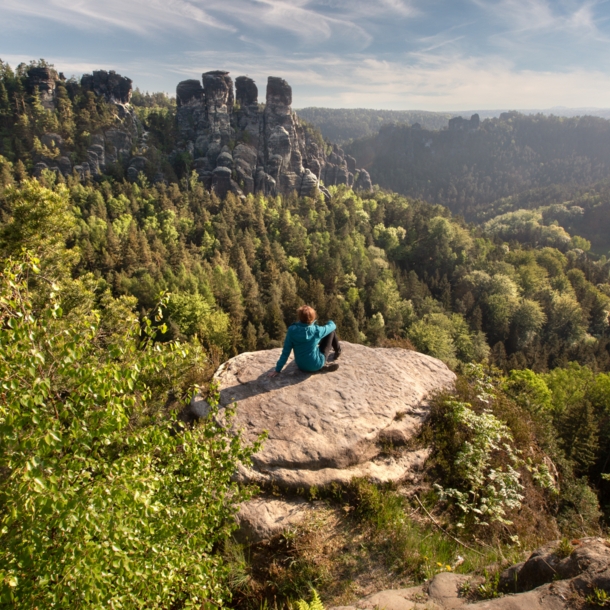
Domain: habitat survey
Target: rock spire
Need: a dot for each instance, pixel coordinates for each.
(242, 147)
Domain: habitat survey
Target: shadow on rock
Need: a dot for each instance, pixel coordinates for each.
(291, 375)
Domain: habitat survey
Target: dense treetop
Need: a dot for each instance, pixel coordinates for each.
(468, 169)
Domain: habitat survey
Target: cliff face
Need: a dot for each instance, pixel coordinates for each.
(239, 146)
(235, 144)
(111, 145)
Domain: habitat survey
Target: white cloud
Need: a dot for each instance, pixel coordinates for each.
(343, 52)
(399, 7)
(148, 17)
(296, 17)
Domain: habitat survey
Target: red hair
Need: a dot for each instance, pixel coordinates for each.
(306, 314)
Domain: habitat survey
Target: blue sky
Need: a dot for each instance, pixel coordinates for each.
(394, 54)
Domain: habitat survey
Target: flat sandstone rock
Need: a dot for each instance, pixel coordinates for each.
(329, 427)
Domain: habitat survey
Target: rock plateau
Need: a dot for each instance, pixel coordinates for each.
(327, 428)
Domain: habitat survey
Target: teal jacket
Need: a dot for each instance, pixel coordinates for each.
(304, 340)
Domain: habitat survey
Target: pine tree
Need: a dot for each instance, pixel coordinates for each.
(579, 432)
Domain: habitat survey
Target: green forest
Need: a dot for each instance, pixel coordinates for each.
(343, 125)
(472, 171)
(118, 299)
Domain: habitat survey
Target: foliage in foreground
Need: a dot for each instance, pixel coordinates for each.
(500, 458)
(365, 537)
(102, 503)
(488, 490)
(316, 603)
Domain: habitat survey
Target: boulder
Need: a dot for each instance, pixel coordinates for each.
(590, 557)
(363, 181)
(100, 153)
(326, 428)
(309, 184)
(247, 154)
(246, 91)
(221, 181)
(225, 159)
(279, 92)
(264, 517)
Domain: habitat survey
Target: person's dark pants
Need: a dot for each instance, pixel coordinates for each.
(328, 342)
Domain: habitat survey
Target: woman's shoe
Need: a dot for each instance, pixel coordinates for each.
(330, 367)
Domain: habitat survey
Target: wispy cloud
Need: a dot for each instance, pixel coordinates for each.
(537, 15)
(138, 16)
(296, 17)
(440, 54)
(399, 7)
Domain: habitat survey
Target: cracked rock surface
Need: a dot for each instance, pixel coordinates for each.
(329, 427)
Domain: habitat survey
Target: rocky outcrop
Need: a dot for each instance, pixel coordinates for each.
(459, 123)
(548, 580)
(43, 80)
(265, 517)
(112, 146)
(266, 150)
(189, 91)
(326, 428)
(363, 181)
(115, 88)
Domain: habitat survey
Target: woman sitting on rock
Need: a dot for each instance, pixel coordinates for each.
(311, 343)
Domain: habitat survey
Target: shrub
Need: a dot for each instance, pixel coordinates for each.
(102, 503)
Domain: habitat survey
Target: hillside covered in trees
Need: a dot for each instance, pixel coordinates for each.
(473, 164)
(119, 296)
(342, 125)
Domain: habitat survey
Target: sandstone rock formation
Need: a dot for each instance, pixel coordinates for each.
(236, 145)
(113, 145)
(112, 86)
(329, 427)
(264, 517)
(548, 580)
(326, 428)
(43, 79)
(265, 150)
